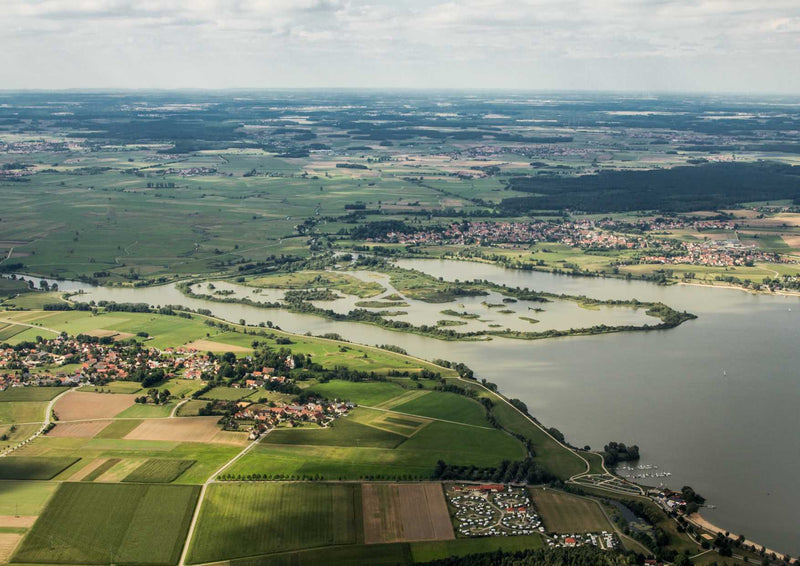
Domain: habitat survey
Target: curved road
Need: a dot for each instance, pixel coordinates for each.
(45, 424)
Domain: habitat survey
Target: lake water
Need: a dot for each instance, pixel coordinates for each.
(715, 401)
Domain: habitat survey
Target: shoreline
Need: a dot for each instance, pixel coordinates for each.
(781, 293)
(606, 275)
(698, 520)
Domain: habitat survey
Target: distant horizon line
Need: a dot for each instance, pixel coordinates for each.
(515, 90)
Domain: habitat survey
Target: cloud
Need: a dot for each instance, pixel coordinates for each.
(704, 44)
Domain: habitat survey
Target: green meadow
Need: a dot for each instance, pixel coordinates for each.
(243, 519)
(146, 524)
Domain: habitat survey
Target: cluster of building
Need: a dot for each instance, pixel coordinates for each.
(91, 362)
(716, 253)
(260, 417)
(604, 540)
(493, 510)
(609, 234)
(24, 147)
(600, 235)
(669, 500)
(192, 171)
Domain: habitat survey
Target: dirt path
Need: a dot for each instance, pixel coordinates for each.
(537, 425)
(45, 424)
(199, 504)
(11, 251)
(176, 407)
(426, 418)
(30, 325)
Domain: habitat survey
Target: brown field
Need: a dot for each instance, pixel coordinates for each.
(777, 221)
(788, 218)
(792, 241)
(185, 429)
(8, 543)
(17, 521)
(230, 437)
(87, 406)
(565, 513)
(405, 513)
(78, 430)
(102, 333)
(87, 469)
(211, 346)
(743, 213)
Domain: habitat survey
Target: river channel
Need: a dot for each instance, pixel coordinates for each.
(714, 402)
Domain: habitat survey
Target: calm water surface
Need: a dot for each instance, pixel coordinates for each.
(716, 401)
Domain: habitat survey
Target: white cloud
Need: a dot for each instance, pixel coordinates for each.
(638, 44)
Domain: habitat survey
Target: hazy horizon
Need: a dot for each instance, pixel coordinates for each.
(650, 46)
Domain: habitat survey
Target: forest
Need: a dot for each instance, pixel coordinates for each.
(680, 189)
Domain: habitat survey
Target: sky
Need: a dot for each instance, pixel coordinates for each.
(617, 45)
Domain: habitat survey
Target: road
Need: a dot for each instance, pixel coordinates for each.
(426, 418)
(53, 330)
(11, 251)
(47, 415)
(203, 489)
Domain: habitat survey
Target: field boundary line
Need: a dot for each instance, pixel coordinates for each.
(427, 418)
(201, 497)
(174, 412)
(43, 428)
(30, 326)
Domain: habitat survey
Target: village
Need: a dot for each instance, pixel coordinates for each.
(72, 362)
(504, 510)
(257, 418)
(602, 235)
(86, 360)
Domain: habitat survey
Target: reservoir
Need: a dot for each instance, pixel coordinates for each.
(715, 401)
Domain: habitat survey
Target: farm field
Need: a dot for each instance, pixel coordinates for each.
(146, 525)
(113, 387)
(227, 393)
(130, 454)
(369, 394)
(445, 406)
(17, 394)
(343, 432)
(118, 428)
(83, 429)
(405, 513)
(33, 468)
(24, 497)
(233, 522)
(181, 387)
(159, 470)
(264, 189)
(22, 412)
(8, 542)
(416, 457)
(191, 408)
(147, 411)
(188, 429)
(565, 513)
(78, 405)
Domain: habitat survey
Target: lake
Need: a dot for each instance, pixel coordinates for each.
(714, 401)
